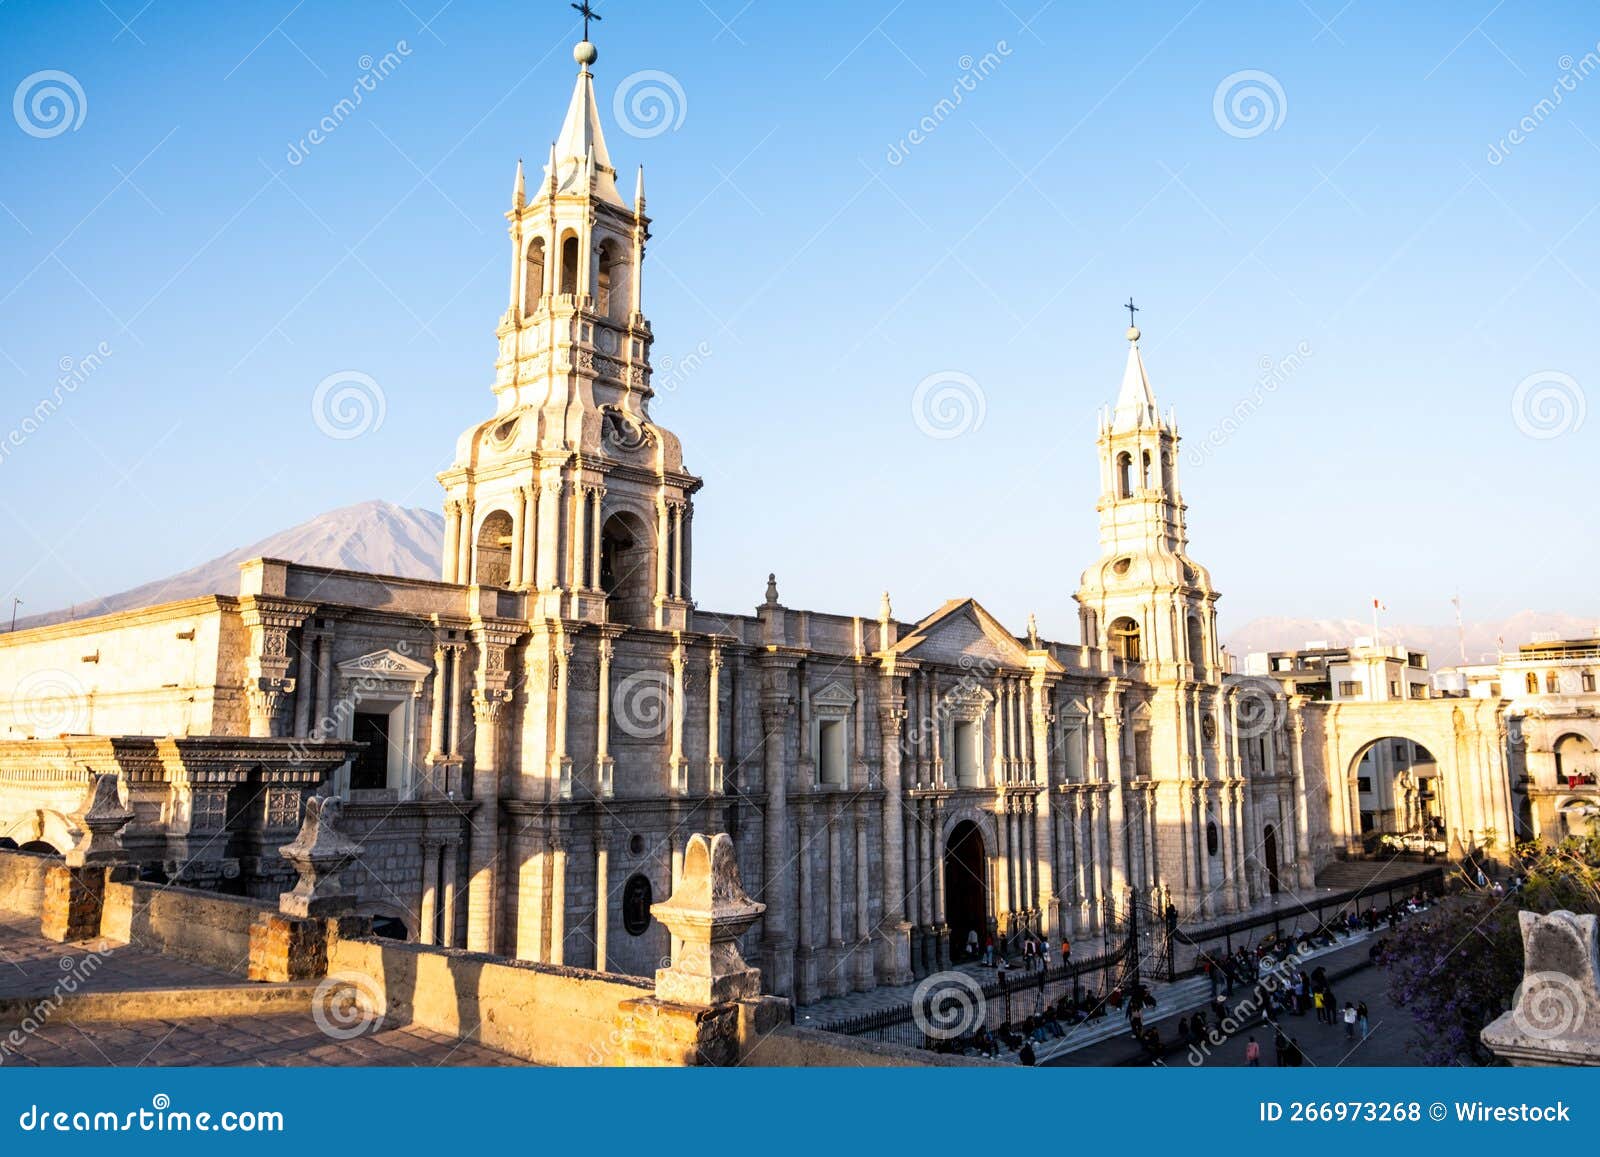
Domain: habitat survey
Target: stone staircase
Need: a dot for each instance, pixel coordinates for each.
(1347, 875)
(1171, 999)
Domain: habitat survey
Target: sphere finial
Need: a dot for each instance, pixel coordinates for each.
(585, 53)
(1133, 333)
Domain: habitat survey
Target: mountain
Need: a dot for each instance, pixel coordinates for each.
(376, 537)
(1443, 644)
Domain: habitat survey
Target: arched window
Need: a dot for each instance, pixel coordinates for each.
(1124, 475)
(495, 537)
(1212, 841)
(569, 265)
(1197, 642)
(1147, 483)
(627, 568)
(1125, 639)
(637, 896)
(533, 276)
(1551, 683)
(1532, 683)
(603, 282)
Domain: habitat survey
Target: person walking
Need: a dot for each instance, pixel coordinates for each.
(1349, 1021)
(1252, 1053)
(1321, 1004)
(1361, 1019)
(988, 951)
(972, 944)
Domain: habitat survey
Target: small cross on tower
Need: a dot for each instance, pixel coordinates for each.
(588, 14)
(1130, 307)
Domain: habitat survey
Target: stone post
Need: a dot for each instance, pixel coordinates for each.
(707, 1006)
(292, 944)
(1555, 1018)
(75, 893)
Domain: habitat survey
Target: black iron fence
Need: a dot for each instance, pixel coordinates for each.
(1188, 947)
(957, 1002)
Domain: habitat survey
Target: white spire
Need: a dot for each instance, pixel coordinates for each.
(580, 134)
(1136, 402)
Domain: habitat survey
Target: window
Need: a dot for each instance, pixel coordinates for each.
(1125, 639)
(966, 746)
(495, 539)
(1212, 842)
(1532, 683)
(1364, 784)
(1551, 683)
(1419, 690)
(569, 265)
(602, 288)
(1146, 480)
(1197, 641)
(1349, 688)
(1124, 475)
(369, 770)
(533, 276)
(831, 752)
(637, 896)
(1394, 688)
(1588, 680)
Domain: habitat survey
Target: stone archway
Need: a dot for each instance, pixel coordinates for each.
(966, 887)
(1467, 739)
(1269, 856)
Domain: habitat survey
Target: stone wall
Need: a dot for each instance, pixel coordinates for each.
(145, 672)
(200, 927)
(22, 876)
(540, 1012)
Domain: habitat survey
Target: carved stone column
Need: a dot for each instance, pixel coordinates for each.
(269, 622)
(895, 933)
(777, 935)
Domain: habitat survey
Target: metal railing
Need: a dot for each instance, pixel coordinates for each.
(1011, 997)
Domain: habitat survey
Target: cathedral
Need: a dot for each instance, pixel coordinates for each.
(527, 744)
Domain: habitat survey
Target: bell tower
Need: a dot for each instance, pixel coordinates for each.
(1145, 600)
(570, 492)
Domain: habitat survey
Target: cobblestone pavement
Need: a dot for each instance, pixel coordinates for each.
(30, 965)
(261, 1040)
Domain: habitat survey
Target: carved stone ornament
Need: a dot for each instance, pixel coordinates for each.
(103, 818)
(319, 853)
(708, 912)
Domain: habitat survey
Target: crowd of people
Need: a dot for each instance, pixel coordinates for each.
(1267, 969)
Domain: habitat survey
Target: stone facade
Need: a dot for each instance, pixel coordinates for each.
(525, 746)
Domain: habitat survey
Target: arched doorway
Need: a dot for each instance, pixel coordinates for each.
(495, 538)
(1269, 853)
(627, 568)
(1398, 788)
(966, 887)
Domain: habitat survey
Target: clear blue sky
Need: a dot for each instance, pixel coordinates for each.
(1368, 226)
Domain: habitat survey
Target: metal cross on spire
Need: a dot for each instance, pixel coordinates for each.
(1132, 309)
(588, 14)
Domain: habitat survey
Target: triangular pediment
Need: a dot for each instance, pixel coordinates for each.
(961, 632)
(386, 664)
